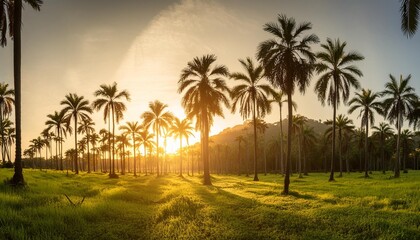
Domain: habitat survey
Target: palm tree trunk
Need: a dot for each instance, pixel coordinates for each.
(255, 143)
(383, 153)
(75, 144)
(281, 141)
(134, 154)
(180, 156)
(17, 19)
(88, 162)
(289, 145)
(339, 152)
(157, 149)
(3, 143)
(398, 162)
(205, 152)
(366, 143)
(300, 154)
(333, 133)
(113, 140)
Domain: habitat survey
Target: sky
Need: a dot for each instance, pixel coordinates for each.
(75, 46)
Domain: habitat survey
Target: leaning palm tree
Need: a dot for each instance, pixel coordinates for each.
(337, 77)
(399, 102)
(205, 92)
(384, 131)
(409, 16)
(367, 102)
(58, 122)
(157, 118)
(110, 99)
(280, 98)
(288, 63)
(6, 105)
(134, 129)
(86, 127)
(16, 23)
(76, 109)
(251, 97)
(343, 125)
(181, 129)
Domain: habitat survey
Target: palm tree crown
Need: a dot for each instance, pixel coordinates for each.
(134, 129)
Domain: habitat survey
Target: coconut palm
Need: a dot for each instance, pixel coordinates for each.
(5, 124)
(76, 109)
(94, 139)
(298, 123)
(384, 131)
(134, 129)
(110, 99)
(205, 92)
(10, 139)
(367, 102)
(288, 63)
(58, 122)
(308, 140)
(409, 16)
(181, 129)
(122, 141)
(157, 118)
(6, 107)
(407, 145)
(337, 76)
(399, 102)
(343, 125)
(38, 144)
(251, 98)
(239, 139)
(48, 136)
(16, 26)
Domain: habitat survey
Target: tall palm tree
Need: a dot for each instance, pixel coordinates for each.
(399, 102)
(86, 127)
(409, 16)
(288, 63)
(384, 131)
(181, 129)
(343, 125)
(337, 77)
(133, 128)
(157, 118)
(251, 97)
(407, 144)
(58, 121)
(110, 99)
(367, 102)
(76, 109)
(205, 92)
(5, 124)
(239, 139)
(6, 106)
(94, 139)
(308, 141)
(38, 144)
(17, 22)
(123, 141)
(280, 98)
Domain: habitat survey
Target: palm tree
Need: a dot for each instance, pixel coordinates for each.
(337, 76)
(94, 139)
(205, 92)
(16, 23)
(123, 142)
(10, 139)
(110, 99)
(343, 125)
(6, 107)
(58, 121)
(157, 118)
(38, 144)
(280, 98)
(409, 16)
(86, 127)
(239, 139)
(251, 96)
(400, 101)
(407, 144)
(298, 122)
(76, 109)
(134, 129)
(384, 131)
(308, 140)
(367, 102)
(146, 139)
(288, 62)
(181, 129)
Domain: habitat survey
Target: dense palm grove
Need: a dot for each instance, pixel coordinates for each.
(284, 64)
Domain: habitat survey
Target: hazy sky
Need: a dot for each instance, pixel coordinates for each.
(74, 46)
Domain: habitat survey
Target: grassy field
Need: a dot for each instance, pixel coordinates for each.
(171, 207)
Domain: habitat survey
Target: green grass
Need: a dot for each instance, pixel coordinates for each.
(171, 207)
